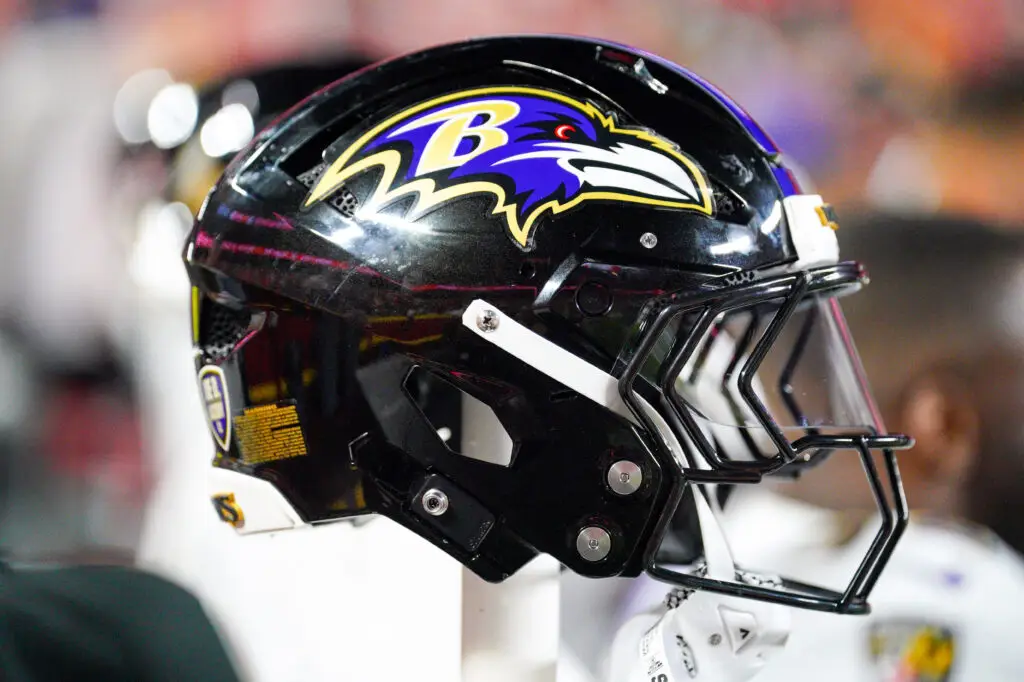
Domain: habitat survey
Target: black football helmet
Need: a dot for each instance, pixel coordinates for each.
(591, 252)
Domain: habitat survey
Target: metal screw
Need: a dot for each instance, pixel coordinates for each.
(435, 502)
(624, 477)
(593, 543)
(715, 639)
(487, 320)
(648, 240)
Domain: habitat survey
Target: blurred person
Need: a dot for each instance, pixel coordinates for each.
(74, 487)
(50, 69)
(954, 370)
(949, 294)
(71, 607)
(79, 477)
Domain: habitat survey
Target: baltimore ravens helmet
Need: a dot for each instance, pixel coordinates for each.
(591, 247)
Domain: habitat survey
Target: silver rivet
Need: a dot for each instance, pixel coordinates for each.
(593, 543)
(624, 477)
(487, 320)
(435, 502)
(648, 240)
(715, 639)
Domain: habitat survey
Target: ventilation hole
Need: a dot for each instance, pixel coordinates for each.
(221, 329)
(345, 202)
(310, 176)
(466, 425)
(342, 199)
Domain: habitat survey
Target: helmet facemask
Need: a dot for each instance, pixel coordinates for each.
(757, 379)
(539, 290)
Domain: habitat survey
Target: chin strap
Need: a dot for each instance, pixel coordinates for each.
(717, 553)
(702, 636)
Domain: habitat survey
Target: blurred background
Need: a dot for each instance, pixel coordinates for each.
(900, 105)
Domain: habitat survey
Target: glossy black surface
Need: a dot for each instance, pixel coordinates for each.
(356, 301)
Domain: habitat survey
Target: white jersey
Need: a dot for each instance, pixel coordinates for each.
(944, 610)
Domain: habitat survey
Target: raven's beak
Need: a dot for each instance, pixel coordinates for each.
(625, 168)
(636, 170)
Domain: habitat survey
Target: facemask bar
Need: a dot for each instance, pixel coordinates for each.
(792, 289)
(853, 600)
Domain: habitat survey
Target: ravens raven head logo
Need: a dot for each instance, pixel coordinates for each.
(534, 150)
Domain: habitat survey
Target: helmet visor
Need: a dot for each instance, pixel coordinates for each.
(765, 370)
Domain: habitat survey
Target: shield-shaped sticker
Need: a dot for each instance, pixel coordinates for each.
(213, 386)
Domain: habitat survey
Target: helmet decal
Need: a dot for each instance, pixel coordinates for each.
(213, 386)
(228, 510)
(535, 150)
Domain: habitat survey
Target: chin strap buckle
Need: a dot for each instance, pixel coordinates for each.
(702, 636)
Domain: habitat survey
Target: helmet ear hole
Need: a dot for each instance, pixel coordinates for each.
(465, 424)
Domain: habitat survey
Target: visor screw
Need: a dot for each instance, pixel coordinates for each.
(715, 639)
(593, 543)
(487, 320)
(624, 477)
(648, 240)
(435, 502)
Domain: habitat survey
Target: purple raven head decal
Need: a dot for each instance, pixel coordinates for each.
(534, 150)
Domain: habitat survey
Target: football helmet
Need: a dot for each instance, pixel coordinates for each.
(589, 245)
